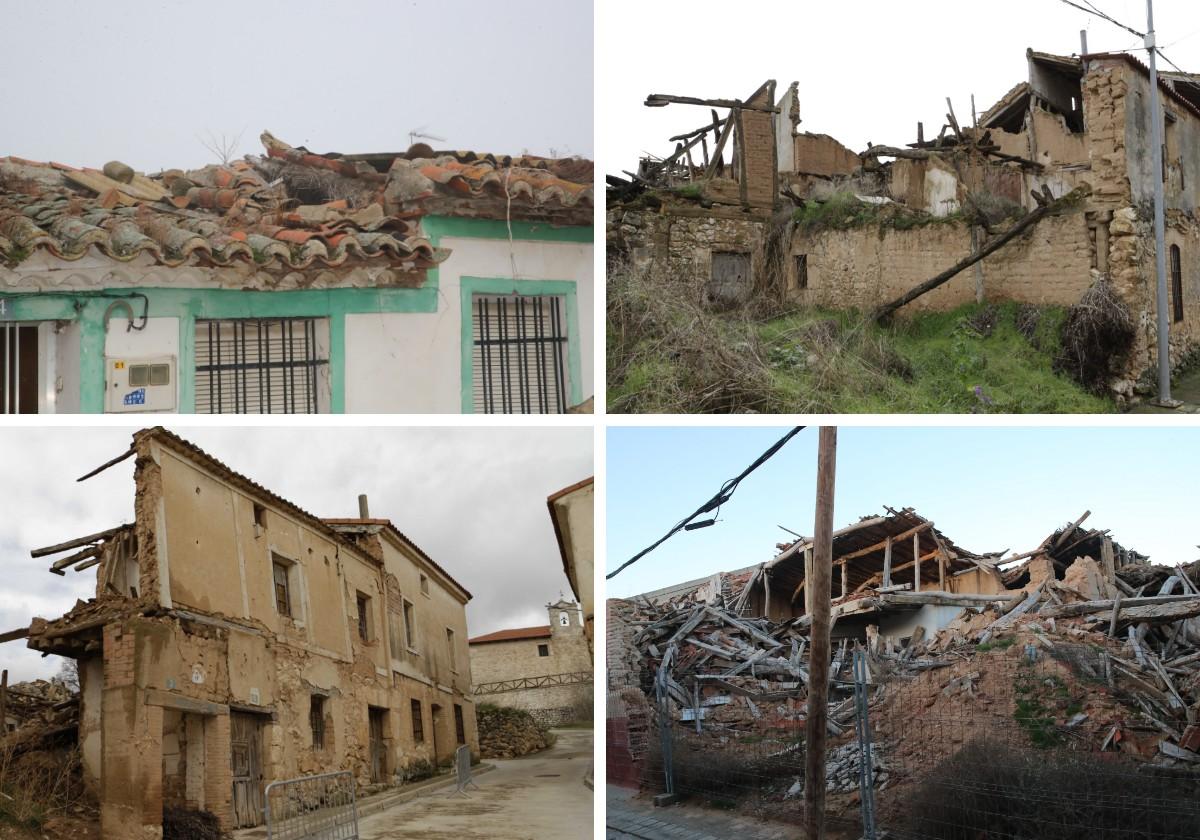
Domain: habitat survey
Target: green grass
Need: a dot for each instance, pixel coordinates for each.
(843, 211)
(997, 644)
(837, 362)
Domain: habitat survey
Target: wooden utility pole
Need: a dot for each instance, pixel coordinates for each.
(4, 703)
(818, 586)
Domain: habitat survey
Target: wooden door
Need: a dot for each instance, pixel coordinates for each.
(378, 750)
(245, 742)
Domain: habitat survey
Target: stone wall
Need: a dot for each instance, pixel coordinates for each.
(622, 663)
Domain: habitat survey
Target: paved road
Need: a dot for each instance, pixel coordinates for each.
(630, 818)
(533, 798)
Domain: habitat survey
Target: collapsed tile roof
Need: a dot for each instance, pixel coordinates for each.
(291, 209)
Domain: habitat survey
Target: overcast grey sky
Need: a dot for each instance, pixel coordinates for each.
(87, 82)
(868, 70)
(473, 498)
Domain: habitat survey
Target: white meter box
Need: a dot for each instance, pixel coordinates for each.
(140, 384)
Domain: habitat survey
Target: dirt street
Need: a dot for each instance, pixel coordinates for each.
(539, 796)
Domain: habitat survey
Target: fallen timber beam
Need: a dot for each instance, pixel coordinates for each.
(1155, 613)
(60, 565)
(1046, 205)
(1089, 607)
(13, 635)
(659, 100)
(946, 599)
(76, 543)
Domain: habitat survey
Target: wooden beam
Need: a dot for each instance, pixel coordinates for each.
(1070, 529)
(719, 149)
(13, 635)
(59, 565)
(107, 464)
(871, 549)
(917, 562)
(75, 543)
(658, 100)
(817, 719)
(887, 562)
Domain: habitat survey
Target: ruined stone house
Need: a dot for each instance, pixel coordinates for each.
(545, 670)
(276, 284)
(236, 639)
(720, 234)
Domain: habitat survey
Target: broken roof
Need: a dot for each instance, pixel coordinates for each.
(862, 546)
(291, 209)
(350, 525)
(516, 634)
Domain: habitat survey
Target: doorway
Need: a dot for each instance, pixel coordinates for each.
(18, 368)
(378, 726)
(245, 742)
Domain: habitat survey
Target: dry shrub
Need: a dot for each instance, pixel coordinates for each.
(190, 824)
(703, 361)
(37, 784)
(1096, 337)
(989, 791)
(1028, 319)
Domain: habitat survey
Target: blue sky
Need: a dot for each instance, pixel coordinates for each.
(987, 488)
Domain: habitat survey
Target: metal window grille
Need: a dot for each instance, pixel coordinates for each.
(316, 719)
(258, 366)
(518, 362)
(1176, 284)
(460, 730)
(19, 361)
(418, 722)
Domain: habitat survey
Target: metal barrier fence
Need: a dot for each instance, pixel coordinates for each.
(320, 807)
(462, 772)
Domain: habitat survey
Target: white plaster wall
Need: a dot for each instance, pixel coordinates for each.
(411, 362)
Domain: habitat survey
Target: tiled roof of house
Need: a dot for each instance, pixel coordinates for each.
(514, 635)
(291, 209)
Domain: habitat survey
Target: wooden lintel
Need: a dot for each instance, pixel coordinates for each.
(658, 100)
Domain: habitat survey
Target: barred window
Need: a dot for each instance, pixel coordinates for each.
(418, 722)
(260, 366)
(1176, 284)
(460, 730)
(518, 361)
(316, 719)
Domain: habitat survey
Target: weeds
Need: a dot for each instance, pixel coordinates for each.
(989, 790)
(35, 785)
(1096, 337)
(845, 211)
(669, 353)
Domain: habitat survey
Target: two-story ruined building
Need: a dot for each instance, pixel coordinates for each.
(721, 227)
(236, 639)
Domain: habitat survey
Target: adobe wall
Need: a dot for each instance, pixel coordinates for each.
(865, 267)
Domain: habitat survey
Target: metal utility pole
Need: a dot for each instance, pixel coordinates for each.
(819, 585)
(1160, 248)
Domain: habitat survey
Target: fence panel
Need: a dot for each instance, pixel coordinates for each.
(1022, 743)
(320, 807)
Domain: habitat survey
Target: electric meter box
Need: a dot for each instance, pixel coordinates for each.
(134, 385)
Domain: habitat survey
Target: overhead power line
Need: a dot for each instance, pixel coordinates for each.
(723, 495)
(1092, 10)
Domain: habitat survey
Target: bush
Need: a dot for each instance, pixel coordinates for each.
(190, 824)
(1096, 337)
(990, 791)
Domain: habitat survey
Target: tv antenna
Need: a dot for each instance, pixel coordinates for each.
(419, 134)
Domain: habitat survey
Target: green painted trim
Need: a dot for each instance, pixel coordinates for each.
(470, 286)
(437, 227)
(188, 305)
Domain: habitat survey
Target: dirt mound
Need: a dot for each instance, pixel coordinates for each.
(509, 733)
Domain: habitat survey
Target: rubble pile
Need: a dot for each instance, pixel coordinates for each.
(509, 733)
(42, 711)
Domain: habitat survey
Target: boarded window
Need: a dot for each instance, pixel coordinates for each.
(519, 354)
(801, 271)
(283, 595)
(729, 281)
(1176, 284)
(418, 723)
(543, 650)
(460, 730)
(424, 585)
(255, 366)
(364, 617)
(316, 719)
(450, 647)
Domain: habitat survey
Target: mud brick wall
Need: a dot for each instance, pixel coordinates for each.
(623, 663)
(759, 149)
